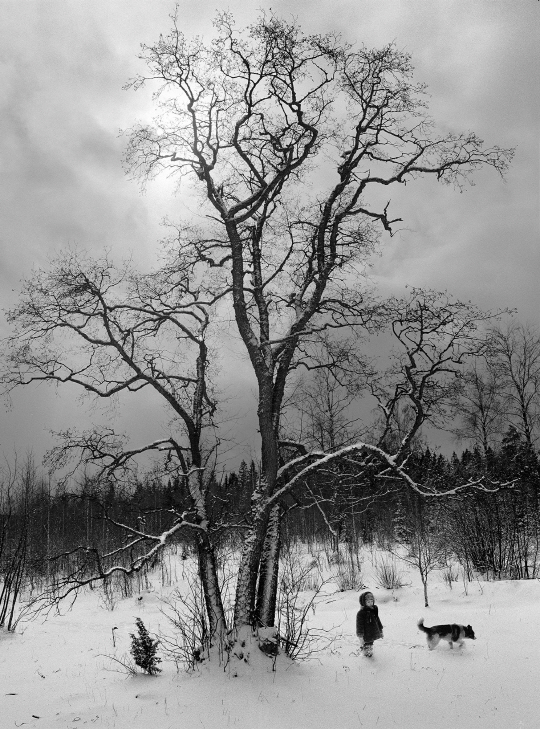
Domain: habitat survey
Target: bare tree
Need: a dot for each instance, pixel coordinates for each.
(435, 336)
(515, 358)
(108, 330)
(252, 119)
(322, 413)
(480, 404)
(423, 541)
(321, 404)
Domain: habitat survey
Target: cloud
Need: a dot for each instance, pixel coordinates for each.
(62, 67)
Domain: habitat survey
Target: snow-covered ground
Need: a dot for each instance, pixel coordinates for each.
(59, 672)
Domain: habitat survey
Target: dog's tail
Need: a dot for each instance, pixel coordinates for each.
(420, 624)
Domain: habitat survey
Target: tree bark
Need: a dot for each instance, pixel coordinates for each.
(268, 570)
(212, 593)
(244, 604)
(207, 562)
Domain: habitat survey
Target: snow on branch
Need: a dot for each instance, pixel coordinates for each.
(393, 469)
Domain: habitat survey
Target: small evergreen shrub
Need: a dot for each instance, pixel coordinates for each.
(144, 648)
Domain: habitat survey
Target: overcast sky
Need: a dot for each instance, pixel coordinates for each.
(62, 67)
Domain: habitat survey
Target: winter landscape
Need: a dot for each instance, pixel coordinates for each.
(270, 364)
(63, 671)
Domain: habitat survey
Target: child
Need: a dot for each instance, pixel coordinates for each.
(368, 625)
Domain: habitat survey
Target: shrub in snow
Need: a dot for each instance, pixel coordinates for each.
(450, 575)
(388, 575)
(144, 648)
(293, 610)
(349, 573)
(190, 642)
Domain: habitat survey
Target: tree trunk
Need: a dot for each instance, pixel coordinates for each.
(424, 582)
(265, 563)
(207, 562)
(268, 570)
(244, 604)
(212, 594)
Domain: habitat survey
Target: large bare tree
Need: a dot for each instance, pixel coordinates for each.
(292, 142)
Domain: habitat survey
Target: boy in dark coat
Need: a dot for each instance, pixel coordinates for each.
(368, 625)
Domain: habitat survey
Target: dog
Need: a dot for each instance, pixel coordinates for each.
(453, 633)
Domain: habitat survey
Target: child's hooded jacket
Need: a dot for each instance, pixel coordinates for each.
(368, 625)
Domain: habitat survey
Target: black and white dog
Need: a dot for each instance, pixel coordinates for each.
(452, 632)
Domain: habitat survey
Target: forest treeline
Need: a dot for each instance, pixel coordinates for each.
(71, 528)
(496, 534)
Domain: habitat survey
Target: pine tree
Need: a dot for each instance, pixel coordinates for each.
(143, 650)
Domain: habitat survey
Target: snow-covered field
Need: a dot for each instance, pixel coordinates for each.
(59, 672)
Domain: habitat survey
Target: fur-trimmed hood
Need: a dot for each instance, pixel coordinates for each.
(363, 596)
